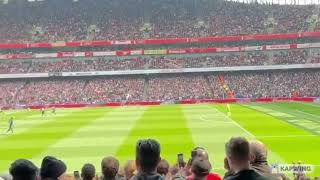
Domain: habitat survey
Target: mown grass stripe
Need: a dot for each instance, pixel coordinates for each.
(211, 129)
(301, 119)
(32, 119)
(302, 147)
(174, 134)
(92, 144)
(72, 122)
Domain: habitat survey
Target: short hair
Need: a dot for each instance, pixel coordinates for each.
(52, 167)
(148, 154)
(88, 171)
(109, 167)
(23, 169)
(163, 167)
(238, 148)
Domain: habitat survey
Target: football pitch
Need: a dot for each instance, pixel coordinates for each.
(291, 131)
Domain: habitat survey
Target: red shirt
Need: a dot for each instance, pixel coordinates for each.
(211, 176)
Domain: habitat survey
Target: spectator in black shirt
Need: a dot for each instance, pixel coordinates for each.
(52, 169)
(147, 160)
(238, 159)
(23, 169)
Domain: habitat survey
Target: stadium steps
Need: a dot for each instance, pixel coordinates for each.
(146, 63)
(309, 59)
(270, 58)
(225, 86)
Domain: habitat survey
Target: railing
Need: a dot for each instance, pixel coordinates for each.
(160, 41)
(157, 51)
(160, 71)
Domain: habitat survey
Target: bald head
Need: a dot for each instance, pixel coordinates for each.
(258, 151)
(202, 154)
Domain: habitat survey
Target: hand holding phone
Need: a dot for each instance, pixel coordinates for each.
(76, 175)
(180, 160)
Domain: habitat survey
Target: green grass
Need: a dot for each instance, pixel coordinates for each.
(290, 130)
(165, 124)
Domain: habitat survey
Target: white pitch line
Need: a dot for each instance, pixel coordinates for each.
(276, 136)
(235, 123)
(203, 118)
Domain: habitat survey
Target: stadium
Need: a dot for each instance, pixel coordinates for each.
(220, 87)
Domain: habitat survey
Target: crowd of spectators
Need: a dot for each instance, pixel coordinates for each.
(68, 21)
(94, 91)
(290, 57)
(315, 57)
(86, 65)
(216, 60)
(243, 160)
(114, 90)
(178, 88)
(274, 84)
(7, 67)
(52, 92)
(216, 87)
(164, 88)
(159, 62)
(8, 92)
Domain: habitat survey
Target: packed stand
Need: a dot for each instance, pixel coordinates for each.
(290, 57)
(243, 160)
(119, 20)
(9, 67)
(100, 91)
(315, 57)
(216, 86)
(9, 91)
(70, 65)
(158, 62)
(248, 85)
(275, 84)
(100, 64)
(216, 60)
(162, 88)
(94, 91)
(178, 88)
(52, 92)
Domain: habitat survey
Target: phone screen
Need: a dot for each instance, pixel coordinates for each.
(76, 175)
(180, 160)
